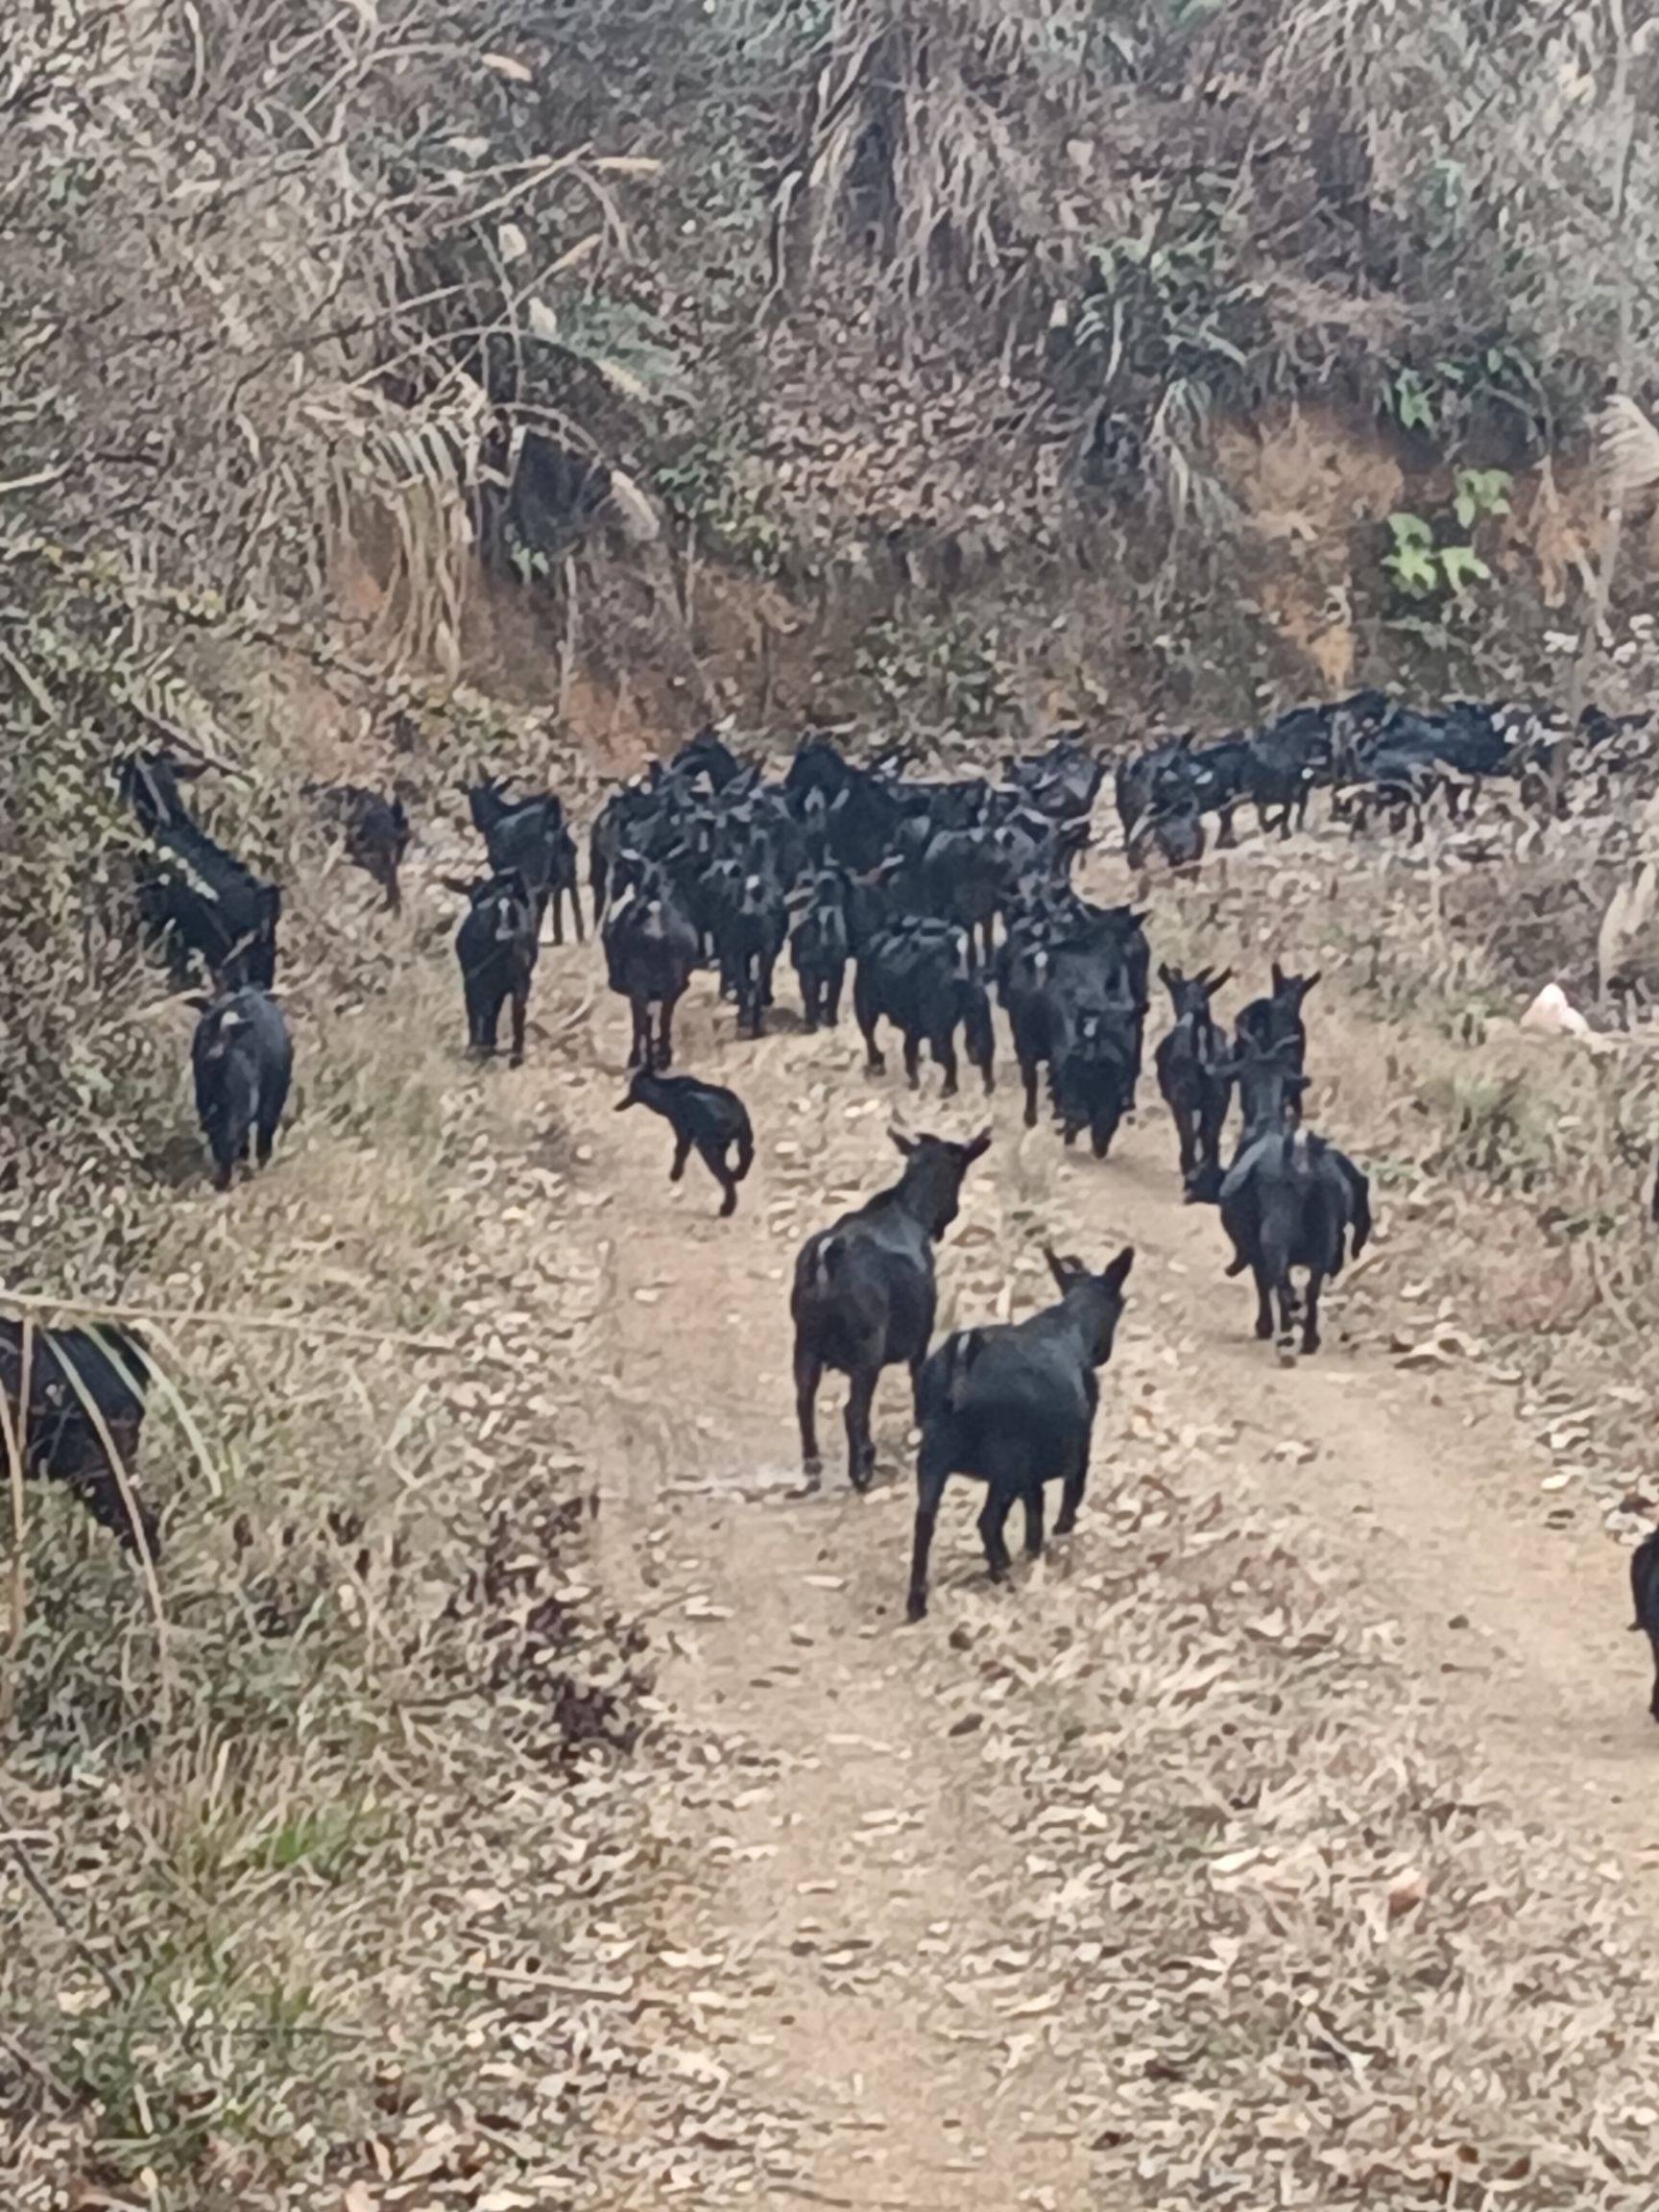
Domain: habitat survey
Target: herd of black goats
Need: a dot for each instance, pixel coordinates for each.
(935, 894)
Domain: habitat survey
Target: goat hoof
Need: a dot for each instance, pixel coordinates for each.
(917, 1610)
(1286, 1354)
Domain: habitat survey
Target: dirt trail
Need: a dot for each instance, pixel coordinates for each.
(851, 1867)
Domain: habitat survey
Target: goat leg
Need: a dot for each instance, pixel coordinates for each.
(1311, 1311)
(992, 1522)
(1071, 1490)
(809, 1375)
(1033, 1503)
(933, 1473)
(861, 1444)
(714, 1157)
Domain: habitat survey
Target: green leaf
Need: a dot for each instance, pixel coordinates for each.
(1462, 565)
(1412, 404)
(1410, 532)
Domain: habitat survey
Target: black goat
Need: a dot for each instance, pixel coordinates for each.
(864, 1293)
(917, 977)
(242, 1059)
(819, 946)
(1191, 1073)
(706, 1119)
(750, 930)
(1645, 1595)
(1265, 1025)
(1060, 963)
(375, 831)
(194, 898)
(529, 838)
(1091, 1072)
(650, 952)
(1014, 1407)
(85, 1401)
(1292, 1200)
(496, 945)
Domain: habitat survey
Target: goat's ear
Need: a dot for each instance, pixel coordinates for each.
(905, 1144)
(1309, 981)
(977, 1147)
(188, 771)
(1214, 982)
(1297, 1083)
(455, 883)
(1167, 975)
(1278, 976)
(1118, 1273)
(1064, 1271)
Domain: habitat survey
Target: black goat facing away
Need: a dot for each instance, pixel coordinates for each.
(1645, 1595)
(820, 944)
(864, 1294)
(706, 1119)
(1013, 1405)
(1192, 1077)
(496, 945)
(917, 976)
(1289, 1200)
(82, 1421)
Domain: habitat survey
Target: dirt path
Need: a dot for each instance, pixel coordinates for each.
(854, 1882)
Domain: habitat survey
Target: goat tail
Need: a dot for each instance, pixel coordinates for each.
(745, 1153)
(956, 1362)
(826, 1261)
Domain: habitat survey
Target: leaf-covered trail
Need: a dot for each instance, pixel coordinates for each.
(857, 1882)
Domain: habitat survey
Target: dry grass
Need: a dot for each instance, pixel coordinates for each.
(1303, 1957)
(230, 1940)
(1523, 1163)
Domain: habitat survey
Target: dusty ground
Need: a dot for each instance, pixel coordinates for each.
(871, 1861)
(1280, 1838)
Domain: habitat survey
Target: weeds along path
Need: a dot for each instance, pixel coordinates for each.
(963, 1899)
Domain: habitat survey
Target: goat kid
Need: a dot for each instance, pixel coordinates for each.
(706, 1119)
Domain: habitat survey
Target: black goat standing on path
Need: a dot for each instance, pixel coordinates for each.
(1267, 1024)
(650, 952)
(1192, 1073)
(1013, 1406)
(706, 1119)
(1290, 1199)
(496, 945)
(865, 1295)
(819, 946)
